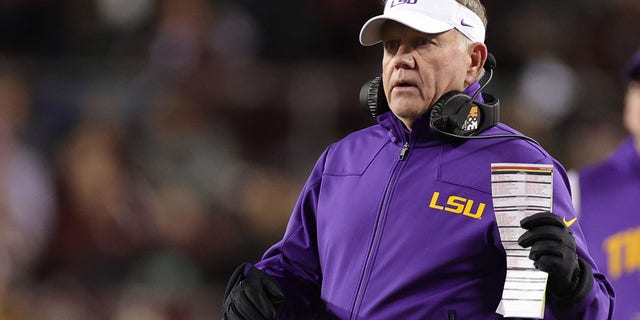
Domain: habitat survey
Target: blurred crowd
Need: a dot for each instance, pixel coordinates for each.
(147, 147)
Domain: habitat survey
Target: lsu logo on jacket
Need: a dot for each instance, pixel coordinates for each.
(457, 205)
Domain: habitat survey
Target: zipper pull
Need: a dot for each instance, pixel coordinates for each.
(403, 152)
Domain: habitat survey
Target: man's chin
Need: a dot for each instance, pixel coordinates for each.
(411, 113)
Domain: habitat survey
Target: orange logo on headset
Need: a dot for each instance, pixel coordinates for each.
(471, 122)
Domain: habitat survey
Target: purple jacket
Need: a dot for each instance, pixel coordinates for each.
(608, 212)
(394, 224)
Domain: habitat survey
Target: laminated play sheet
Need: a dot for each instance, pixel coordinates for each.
(518, 191)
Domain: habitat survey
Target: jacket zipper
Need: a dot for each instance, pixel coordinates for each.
(364, 277)
(404, 151)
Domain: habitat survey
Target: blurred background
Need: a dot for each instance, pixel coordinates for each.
(147, 147)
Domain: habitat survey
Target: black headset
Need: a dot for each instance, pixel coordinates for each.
(455, 116)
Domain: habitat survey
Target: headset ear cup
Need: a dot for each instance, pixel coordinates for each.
(372, 97)
(444, 113)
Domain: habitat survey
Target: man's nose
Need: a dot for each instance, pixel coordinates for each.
(404, 57)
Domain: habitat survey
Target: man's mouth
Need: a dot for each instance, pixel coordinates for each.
(405, 85)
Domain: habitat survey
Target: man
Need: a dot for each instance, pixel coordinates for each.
(365, 239)
(605, 197)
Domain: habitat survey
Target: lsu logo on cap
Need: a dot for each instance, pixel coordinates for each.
(399, 2)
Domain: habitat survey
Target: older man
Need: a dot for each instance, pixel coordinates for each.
(396, 221)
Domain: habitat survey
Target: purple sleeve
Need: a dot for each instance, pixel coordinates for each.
(294, 261)
(599, 303)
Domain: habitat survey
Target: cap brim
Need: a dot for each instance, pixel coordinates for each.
(371, 32)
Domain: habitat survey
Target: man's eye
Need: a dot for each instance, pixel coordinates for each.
(391, 45)
(423, 42)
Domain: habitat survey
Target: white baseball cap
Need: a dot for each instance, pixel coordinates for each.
(428, 16)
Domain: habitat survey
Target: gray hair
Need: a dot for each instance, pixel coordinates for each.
(477, 7)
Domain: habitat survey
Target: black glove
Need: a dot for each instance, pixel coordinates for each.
(553, 250)
(254, 297)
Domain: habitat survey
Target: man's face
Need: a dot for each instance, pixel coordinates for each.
(632, 109)
(418, 68)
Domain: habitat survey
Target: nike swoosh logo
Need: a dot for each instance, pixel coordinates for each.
(465, 24)
(570, 222)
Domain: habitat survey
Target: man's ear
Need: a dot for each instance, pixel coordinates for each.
(478, 53)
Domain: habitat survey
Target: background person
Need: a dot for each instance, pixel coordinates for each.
(605, 197)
